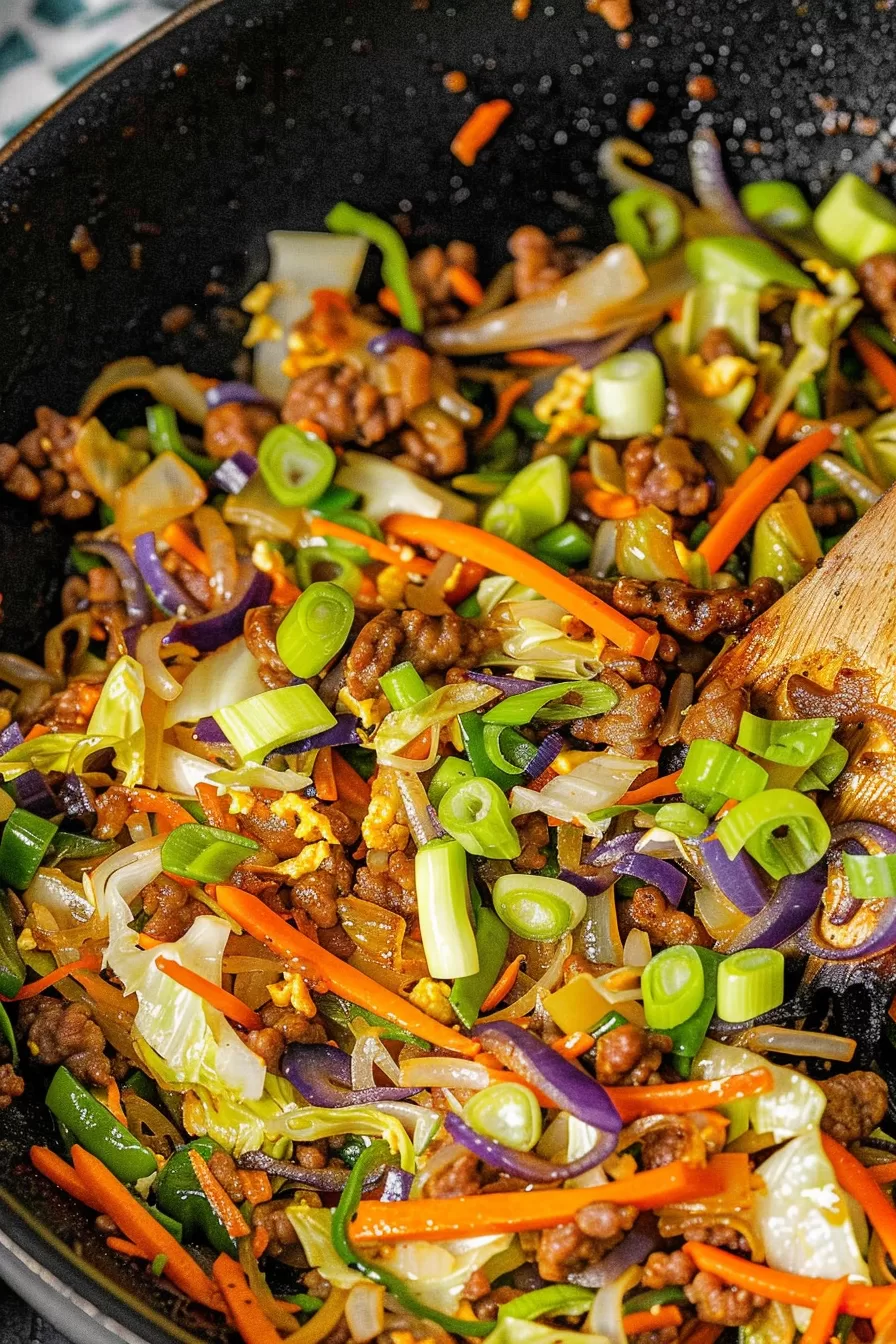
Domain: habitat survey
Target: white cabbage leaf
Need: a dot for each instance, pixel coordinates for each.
(794, 1105)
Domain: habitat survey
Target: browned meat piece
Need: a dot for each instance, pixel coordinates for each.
(629, 1055)
(195, 582)
(272, 1217)
(666, 473)
(312, 1156)
(717, 714)
(694, 613)
(432, 285)
(720, 1303)
(170, 907)
(674, 1139)
(440, 451)
(68, 711)
(316, 894)
(393, 887)
(631, 726)
(668, 1335)
(664, 925)
(597, 1228)
(65, 1033)
(668, 1269)
(577, 964)
(235, 428)
(538, 261)
(431, 643)
(476, 1286)
(42, 466)
(720, 1234)
(716, 343)
(857, 1103)
(643, 671)
(224, 1169)
(463, 1176)
(877, 277)
(342, 402)
(281, 1027)
(260, 632)
(838, 512)
(534, 838)
(11, 1086)
(486, 1307)
(113, 807)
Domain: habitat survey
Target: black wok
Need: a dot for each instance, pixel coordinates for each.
(257, 114)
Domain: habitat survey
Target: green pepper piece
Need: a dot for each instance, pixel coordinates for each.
(470, 991)
(9, 1035)
(345, 218)
(808, 399)
(609, 1022)
(472, 730)
(165, 437)
(568, 543)
(12, 967)
(335, 499)
(170, 1224)
(659, 1297)
(688, 1037)
(449, 772)
(26, 839)
(648, 220)
(96, 1129)
(743, 261)
(141, 1084)
(342, 1013)
(71, 845)
(179, 1195)
(361, 759)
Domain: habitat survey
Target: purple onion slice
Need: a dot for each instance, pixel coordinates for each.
(323, 1076)
(527, 1166)
(658, 872)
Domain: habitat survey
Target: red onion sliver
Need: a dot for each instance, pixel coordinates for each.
(527, 1166)
(658, 872)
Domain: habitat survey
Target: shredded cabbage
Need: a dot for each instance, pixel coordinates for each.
(399, 728)
(180, 771)
(117, 715)
(605, 1316)
(224, 677)
(390, 489)
(589, 787)
(512, 1331)
(241, 1126)
(259, 777)
(304, 1124)
(794, 1105)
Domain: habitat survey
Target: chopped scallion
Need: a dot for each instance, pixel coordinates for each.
(593, 697)
(508, 1112)
(714, 772)
(538, 907)
(271, 719)
(440, 871)
(476, 812)
(785, 741)
(315, 628)
(749, 983)
(403, 686)
(781, 829)
(296, 466)
(672, 984)
(871, 877)
(205, 853)
(26, 839)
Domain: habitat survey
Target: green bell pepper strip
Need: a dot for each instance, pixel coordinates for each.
(452, 769)
(472, 730)
(648, 220)
(808, 399)
(567, 543)
(470, 991)
(609, 1022)
(140, 1083)
(82, 563)
(165, 437)
(12, 967)
(369, 1160)
(526, 420)
(306, 1302)
(342, 1013)
(659, 1297)
(9, 1035)
(507, 749)
(876, 333)
(26, 839)
(97, 1129)
(337, 500)
(743, 261)
(344, 218)
(70, 845)
(179, 1195)
(559, 1299)
(688, 1037)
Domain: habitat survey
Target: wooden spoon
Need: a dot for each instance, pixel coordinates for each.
(836, 627)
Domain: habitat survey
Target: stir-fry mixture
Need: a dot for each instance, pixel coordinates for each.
(414, 933)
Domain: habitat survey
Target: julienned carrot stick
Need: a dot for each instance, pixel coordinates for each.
(735, 523)
(85, 963)
(748, 475)
(858, 1182)
(704, 1333)
(504, 558)
(478, 129)
(350, 786)
(875, 361)
(503, 985)
(388, 301)
(147, 800)
(797, 1290)
(883, 1173)
(610, 503)
(216, 808)
(824, 1315)
(574, 1045)
(507, 399)
(528, 1210)
(464, 285)
(213, 994)
(536, 359)
(639, 1322)
(657, 788)
(52, 1166)
(138, 1225)
(242, 1303)
(319, 964)
(217, 1196)
(256, 1186)
(180, 541)
(378, 550)
(679, 1098)
(323, 777)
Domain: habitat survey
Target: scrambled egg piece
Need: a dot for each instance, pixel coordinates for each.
(717, 378)
(292, 992)
(432, 997)
(259, 298)
(562, 407)
(385, 825)
(306, 351)
(299, 811)
(371, 712)
(390, 585)
(262, 328)
(310, 859)
(242, 802)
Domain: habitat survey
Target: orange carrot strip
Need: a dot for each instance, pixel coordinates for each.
(312, 427)
(378, 550)
(726, 808)
(139, 1226)
(256, 1186)
(88, 962)
(883, 1173)
(108, 996)
(657, 788)
(261, 1239)
(503, 985)
(418, 748)
(478, 129)
(113, 1101)
(37, 731)
(507, 399)
(704, 1333)
(180, 541)
(504, 558)
(679, 1098)
(825, 1313)
(858, 1182)
(217, 1196)
(125, 1247)
(786, 427)
(58, 1171)
(350, 786)
(736, 522)
(167, 809)
(465, 579)
(610, 504)
(216, 808)
(388, 301)
(242, 1304)
(797, 1290)
(464, 285)
(536, 359)
(320, 965)
(283, 591)
(219, 998)
(639, 1322)
(875, 361)
(147, 942)
(572, 1046)
(323, 776)
(528, 1211)
(750, 473)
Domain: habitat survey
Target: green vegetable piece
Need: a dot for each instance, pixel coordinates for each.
(786, 741)
(96, 1129)
(179, 1195)
(532, 503)
(558, 1299)
(594, 697)
(673, 985)
(785, 544)
(26, 839)
(440, 871)
(689, 1036)
(526, 420)
(681, 819)
(452, 769)
(734, 307)
(472, 731)
(347, 576)
(403, 686)
(657, 1297)
(264, 722)
(165, 437)
(73, 845)
(567, 544)
(507, 1112)
(12, 967)
(205, 853)
(714, 772)
(856, 221)
(538, 907)
(629, 394)
(825, 770)
(354, 551)
(158, 1263)
(9, 1036)
(305, 1301)
(337, 501)
(296, 466)
(344, 218)
(871, 877)
(470, 991)
(743, 261)
(781, 829)
(342, 1013)
(649, 221)
(315, 628)
(609, 1022)
(141, 1084)
(82, 563)
(776, 205)
(808, 399)
(476, 812)
(751, 982)
(506, 748)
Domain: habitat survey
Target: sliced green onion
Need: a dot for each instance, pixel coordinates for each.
(749, 983)
(345, 218)
(26, 839)
(508, 1112)
(742, 261)
(440, 871)
(714, 772)
(822, 773)
(476, 812)
(336, 501)
(681, 819)
(629, 394)
(776, 205)
(537, 907)
(205, 853)
(347, 575)
(689, 1036)
(165, 437)
(566, 544)
(856, 221)
(263, 722)
(781, 829)
(673, 985)
(451, 771)
(315, 628)
(472, 730)
(296, 466)
(785, 741)
(649, 221)
(532, 503)
(871, 877)
(808, 399)
(594, 698)
(507, 749)
(403, 686)
(558, 1299)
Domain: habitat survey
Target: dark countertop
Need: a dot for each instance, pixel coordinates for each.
(20, 1325)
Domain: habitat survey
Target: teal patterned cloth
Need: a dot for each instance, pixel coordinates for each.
(48, 45)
